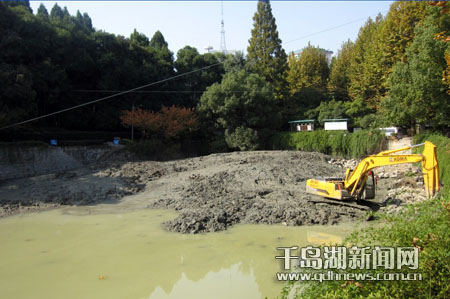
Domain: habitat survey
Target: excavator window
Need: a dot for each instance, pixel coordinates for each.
(369, 188)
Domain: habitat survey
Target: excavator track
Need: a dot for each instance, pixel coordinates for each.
(364, 205)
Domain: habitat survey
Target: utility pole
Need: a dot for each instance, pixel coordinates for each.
(132, 127)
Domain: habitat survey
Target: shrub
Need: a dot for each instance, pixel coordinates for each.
(339, 143)
(244, 139)
(170, 123)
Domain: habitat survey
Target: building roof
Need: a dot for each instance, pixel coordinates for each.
(302, 121)
(335, 119)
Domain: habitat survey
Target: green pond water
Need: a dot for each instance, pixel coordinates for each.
(73, 253)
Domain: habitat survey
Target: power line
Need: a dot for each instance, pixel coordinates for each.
(161, 81)
(136, 91)
(329, 29)
(110, 96)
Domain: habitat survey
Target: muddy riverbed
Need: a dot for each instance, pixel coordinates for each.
(210, 193)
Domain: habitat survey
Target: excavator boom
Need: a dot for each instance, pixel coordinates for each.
(355, 184)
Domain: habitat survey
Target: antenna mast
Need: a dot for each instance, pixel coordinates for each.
(223, 46)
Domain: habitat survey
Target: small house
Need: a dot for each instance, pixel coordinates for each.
(302, 125)
(335, 124)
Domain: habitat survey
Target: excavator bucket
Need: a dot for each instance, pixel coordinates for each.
(430, 169)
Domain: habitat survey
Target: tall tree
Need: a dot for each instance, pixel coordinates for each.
(339, 78)
(417, 95)
(309, 70)
(159, 44)
(363, 73)
(87, 21)
(139, 39)
(266, 56)
(397, 31)
(189, 59)
(244, 106)
(23, 3)
(444, 23)
(307, 78)
(42, 12)
(56, 14)
(158, 41)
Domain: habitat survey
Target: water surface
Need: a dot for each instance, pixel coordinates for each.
(73, 253)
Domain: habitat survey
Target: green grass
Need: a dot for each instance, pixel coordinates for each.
(338, 143)
(428, 222)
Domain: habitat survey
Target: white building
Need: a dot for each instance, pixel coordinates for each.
(335, 124)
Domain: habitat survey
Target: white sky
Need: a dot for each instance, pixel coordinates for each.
(197, 23)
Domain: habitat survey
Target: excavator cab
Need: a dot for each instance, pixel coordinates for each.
(369, 187)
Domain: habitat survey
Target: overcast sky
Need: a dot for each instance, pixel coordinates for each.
(198, 23)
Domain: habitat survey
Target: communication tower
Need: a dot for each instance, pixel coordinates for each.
(223, 46)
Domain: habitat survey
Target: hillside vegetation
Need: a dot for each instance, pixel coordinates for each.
(339, 143)
(396, 72)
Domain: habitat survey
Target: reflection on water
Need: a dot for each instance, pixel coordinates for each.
(69, 253)
(226, 283)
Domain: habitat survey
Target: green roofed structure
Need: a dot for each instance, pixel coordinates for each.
(302, 125)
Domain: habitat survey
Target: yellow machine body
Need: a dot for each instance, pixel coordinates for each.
(359, 183)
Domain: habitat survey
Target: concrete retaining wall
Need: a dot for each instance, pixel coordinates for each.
(18, 162)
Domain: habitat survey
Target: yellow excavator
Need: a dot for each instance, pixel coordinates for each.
(360, 183)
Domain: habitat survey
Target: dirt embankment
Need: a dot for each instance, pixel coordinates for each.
(211, 193)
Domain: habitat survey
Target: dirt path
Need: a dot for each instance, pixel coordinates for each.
(211, 193)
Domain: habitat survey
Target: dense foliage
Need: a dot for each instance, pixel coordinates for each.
(339, 143)
(244, 107)
(396, 72)
(310, 69)
(51, 61)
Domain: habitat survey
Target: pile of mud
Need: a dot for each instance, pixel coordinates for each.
(77, 187)
(214, 192)
(210, 193)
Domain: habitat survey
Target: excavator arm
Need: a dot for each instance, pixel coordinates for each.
(354, 183)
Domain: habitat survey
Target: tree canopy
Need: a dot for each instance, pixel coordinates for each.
(266, 57)
(396, 72)
(309, 70)
(244, 106)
